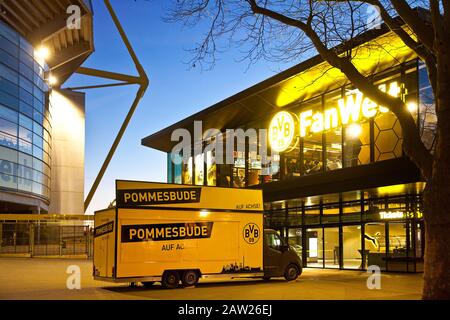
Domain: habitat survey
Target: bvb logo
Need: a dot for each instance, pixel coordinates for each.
(251, 233)
(282, 131)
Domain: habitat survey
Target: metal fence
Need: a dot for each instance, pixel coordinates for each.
(45, 239)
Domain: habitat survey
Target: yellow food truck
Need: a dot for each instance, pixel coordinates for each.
(168, 233)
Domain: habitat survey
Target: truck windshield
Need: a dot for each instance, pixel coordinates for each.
(273, 241)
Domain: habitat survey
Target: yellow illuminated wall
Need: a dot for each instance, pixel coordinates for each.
(68, 137)
(382, 53)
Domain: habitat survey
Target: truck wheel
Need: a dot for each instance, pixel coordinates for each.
(291, 272)
(170, 279)
(266, 278)
(148, 284)
(189, 278)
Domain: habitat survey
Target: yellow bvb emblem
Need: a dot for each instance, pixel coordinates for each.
(282, 131)
(251, 233)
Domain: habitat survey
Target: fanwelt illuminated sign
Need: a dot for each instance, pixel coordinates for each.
(351, 108)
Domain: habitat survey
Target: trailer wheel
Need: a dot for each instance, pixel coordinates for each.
(170, 279)
(291, 273)
(189, 278)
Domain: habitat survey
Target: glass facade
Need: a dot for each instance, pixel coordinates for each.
(366, 229)
(349, 230)
(25, 130)
(368, 140)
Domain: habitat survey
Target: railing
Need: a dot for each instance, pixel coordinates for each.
(35, 238)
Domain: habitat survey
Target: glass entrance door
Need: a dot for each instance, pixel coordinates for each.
(314, 248)
(352, 252)
(322, 247)
(331, 247)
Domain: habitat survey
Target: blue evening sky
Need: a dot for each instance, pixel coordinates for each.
(175, 90)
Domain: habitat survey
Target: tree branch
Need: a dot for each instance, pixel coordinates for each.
(423, 31)
(413, 145)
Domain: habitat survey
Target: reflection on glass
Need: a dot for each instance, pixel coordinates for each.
(21, 87)
(351, 239)
(295, 240)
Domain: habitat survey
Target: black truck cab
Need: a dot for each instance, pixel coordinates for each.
(280, 260)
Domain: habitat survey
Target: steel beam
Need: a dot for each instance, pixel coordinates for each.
(143, 84)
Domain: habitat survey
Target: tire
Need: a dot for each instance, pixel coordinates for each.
(148, 284)
(266, 278)
(292, 272)
(189, 278)
(170, 280)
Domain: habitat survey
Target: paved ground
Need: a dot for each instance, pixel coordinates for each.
(24, 278)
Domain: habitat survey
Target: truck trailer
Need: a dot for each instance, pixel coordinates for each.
(167, 233)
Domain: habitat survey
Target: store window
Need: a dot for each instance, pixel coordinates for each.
(177, 170)
(352, 252)
(199, 169)
(375, 244)
(351, 211)
(330, 213)
(291, 162)
(254, 163)
(295, 212)
(312, 154)
(398, 252)
(356, 144)
(312, 142)
(211, 168)
(312, 214)
(333, 137)
(169, 168)
(239, 169)
(187, 171)
(388, 137)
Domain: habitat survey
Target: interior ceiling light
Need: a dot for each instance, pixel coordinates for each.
(354, 130)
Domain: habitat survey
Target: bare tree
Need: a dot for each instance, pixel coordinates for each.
(292, 30)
